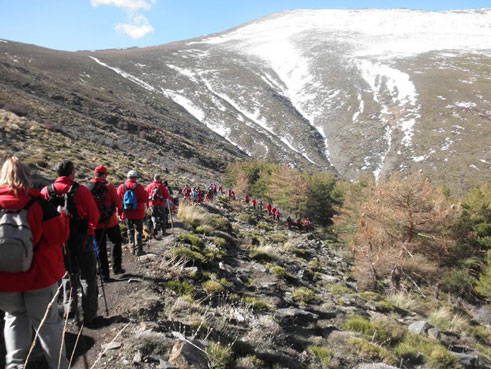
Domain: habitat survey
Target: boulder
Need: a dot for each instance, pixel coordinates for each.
(470, 360)
(187, 355)
(374, 366)
(295, 315)
(419, 327)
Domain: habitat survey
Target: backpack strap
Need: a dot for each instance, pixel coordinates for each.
(51, 190)
(73, 188)
(125, 187)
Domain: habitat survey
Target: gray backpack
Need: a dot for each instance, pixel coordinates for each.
(16, 248)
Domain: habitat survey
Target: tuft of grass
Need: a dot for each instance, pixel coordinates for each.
(416, 349)
(339, 289)
(371, 296)
(264, 226)
(323, 354)
(445, 320)
(189, 254)
(262, 253)
(402, 300)
(212, 287)
(304, 295)
(278, 237)
(204, 229)
(257, 304)
(370, 350)
(382, 330)
(191, 239)
(181, 288)
(220, 242)
(279, 271)
(220, 356)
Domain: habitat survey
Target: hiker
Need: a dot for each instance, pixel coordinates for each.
(157, 196)
(233, 195)
(299, 224)
(80, 258)
(307, 224)
(246, 199)
(277, 215)
(25, 295)
(134, 198)
(273, 212)
(260, 206)
(229, 193)
(253, 202)
(107, 201)
(289, 222)
(186, 192)
(268, 208)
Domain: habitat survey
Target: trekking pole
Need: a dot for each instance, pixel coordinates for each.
(100, 274)
(170, 213)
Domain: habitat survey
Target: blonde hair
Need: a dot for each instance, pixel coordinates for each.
(15, 175)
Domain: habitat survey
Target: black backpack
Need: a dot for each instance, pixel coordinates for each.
(156, 194)
(102, 200)
(78, 226)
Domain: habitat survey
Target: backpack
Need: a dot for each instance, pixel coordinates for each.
(78, 226)
(156, 194)
(16, 249)
(129, 198)
(102, 200)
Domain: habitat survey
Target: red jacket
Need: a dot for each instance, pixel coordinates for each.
(115, 201)
(163, 191)
(50, 230)
(141, 198)
(84, 201)
(268, 206)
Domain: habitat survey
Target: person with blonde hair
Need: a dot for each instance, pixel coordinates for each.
(27, 286)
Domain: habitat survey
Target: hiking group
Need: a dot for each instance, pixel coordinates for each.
(56, 240)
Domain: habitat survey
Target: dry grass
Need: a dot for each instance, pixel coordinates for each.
(445, 320)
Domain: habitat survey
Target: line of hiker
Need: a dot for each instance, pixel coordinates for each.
(275, 214)
(65, 227)
(197, 195)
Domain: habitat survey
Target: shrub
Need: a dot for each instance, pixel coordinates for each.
(339, 289)
(220, 242)
(445, 320)
(212, 287)
(204, 229)
(457, 282)
(263, 225)
(191, 239)
(220, 356)
(257, 304)
(181, 288)
(279, 271)
(278, 237)
(189, 254)
(370, 350)
(323, 354)
(415, 348)
(304, 295)
(381, 330)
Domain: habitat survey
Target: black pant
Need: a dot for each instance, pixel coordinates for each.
(136, 226)
(114, 235)
(80, 263)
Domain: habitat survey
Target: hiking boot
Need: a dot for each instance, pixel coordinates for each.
(119, 271)
(140, 253)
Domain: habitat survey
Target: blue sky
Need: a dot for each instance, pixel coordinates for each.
(103, 24)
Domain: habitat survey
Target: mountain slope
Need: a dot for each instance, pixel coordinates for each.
(353, 91)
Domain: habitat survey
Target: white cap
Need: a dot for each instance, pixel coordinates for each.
(132, 174)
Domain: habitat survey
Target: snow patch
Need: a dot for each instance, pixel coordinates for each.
(4, 41)
(126, 75)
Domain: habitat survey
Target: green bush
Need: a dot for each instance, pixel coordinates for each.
(204, 229)
(181, 288)
(279, 271)
(382, 330)
(189, 254)
(416, 348)
(339, 289)
(220, 356)
(212, 287)
(370, 350)
(278, 237)
(220, 242)
(257, 304)
(191, 239)
(304, 295)
(457, 282)
(323, 354)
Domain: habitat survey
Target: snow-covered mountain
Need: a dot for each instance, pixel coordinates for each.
(362, 91)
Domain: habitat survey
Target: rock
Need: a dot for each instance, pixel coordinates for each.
(226, 267)
(482, 314)
(147, 258)
(148, 325)
(374, 366)
(259, 268)
(434, 333)
(295, 315)
(185, 355)
(138, 357)
(467, 360)
(112, 346)
(419, 327)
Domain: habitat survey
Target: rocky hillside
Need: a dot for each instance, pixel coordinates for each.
(230, 288)
(357, 92)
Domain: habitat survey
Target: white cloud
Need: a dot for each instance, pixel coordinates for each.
(131, 5)
(137, 28)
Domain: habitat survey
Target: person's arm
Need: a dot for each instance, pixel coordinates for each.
(87, 201)
(115, 199)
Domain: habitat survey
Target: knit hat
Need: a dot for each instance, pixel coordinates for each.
(100, 169)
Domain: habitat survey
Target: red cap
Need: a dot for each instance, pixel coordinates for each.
(100, 169)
